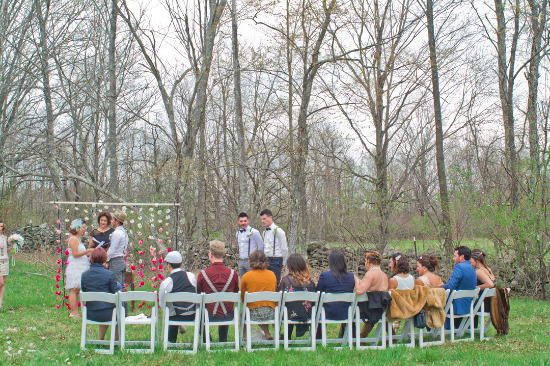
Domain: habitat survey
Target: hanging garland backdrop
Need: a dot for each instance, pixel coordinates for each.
(149, 233)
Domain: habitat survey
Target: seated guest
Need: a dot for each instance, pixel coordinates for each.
(402, 280)
(485, 277)
(463, 278)
(298, 279)
(337, 280)
(99, 279)
(178, 281)
(425, 266)
(374, 280)
(259, 278)
(218, 278)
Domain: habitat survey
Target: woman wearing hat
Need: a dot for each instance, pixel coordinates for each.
(78, 264)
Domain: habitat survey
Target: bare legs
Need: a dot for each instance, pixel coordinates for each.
(2, 282)
(264, 328)
(73, 302)
(103, 331)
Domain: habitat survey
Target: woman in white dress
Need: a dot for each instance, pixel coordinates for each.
(78, 264)
(399, 265)
(4, 260)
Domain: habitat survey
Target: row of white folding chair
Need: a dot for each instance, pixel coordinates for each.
(119, 313)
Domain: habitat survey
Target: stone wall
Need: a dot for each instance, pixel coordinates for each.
(37, 237)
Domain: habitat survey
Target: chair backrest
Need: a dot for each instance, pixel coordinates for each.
(263, 296)
(301, 296)
(183, 297)
(362, 298)
(138, 295)
(341, 297)
(234, 297)
(99, 296)
(459, 294)
(489, 292)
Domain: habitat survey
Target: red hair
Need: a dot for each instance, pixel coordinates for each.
(98, 255)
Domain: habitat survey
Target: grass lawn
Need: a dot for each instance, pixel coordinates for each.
(34, 332)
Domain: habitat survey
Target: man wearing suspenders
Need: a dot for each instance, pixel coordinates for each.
(218, 278)
(249, 240)
(274, 243)
(179, 281)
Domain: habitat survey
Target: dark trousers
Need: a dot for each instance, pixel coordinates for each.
(173, 329)
(222, 329)
(275, 266)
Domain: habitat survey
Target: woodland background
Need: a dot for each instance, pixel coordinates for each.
(356, 122)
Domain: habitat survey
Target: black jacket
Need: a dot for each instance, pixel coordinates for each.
(373, 309)
(98, 279)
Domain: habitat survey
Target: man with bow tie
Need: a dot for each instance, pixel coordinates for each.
(249, 240)
(275, 244)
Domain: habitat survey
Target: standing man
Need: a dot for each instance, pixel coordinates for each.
(178, 281)
(275, 246)
(218, 278)
(463, 278)
(119, 244)
(249, 240)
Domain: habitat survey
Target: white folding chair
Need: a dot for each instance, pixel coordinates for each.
(435, 332)
(233, 297)
(300, 296)
(104, 297)
(479, 311)
(466, 318)
(322, 320)
(189, 297)
(379, 333)
(246, 321)
(150, 297)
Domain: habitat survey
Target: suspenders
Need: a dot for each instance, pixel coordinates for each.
(214, 290)
(274, 239)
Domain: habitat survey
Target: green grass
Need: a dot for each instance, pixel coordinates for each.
(42, 335)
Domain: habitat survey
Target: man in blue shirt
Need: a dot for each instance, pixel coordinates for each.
(463, 278)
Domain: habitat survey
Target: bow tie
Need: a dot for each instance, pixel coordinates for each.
(267, 228)
(242, 230)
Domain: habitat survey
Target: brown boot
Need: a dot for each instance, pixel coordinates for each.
(365, 330)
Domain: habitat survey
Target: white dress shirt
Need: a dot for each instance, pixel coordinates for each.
(249, 240)
(119, 243)
(168, 284)
(275, 242)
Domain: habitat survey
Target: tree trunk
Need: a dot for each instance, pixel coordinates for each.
(243, 203)
(506, 92)
(439, 151)
(298, 223)
(112, 137)
(538, 24)
(50, 118)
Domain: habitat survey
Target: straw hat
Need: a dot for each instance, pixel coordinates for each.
(119, 215)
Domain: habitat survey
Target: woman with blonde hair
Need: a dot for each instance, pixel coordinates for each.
(78, 264)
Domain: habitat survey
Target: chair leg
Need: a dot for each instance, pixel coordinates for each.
(285, 328)
(166, 325)
(277, 328)
(207, 330)
(113, 333)
(237, 335)
(323, 329)
(83, 336)
(248, 332)
(390, 333)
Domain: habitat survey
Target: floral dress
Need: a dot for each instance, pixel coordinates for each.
(297, 310)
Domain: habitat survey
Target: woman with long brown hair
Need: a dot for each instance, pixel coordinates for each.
(485, 277)
(298, 279)
(101, 237)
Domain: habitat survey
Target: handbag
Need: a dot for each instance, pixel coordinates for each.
(420, 320)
